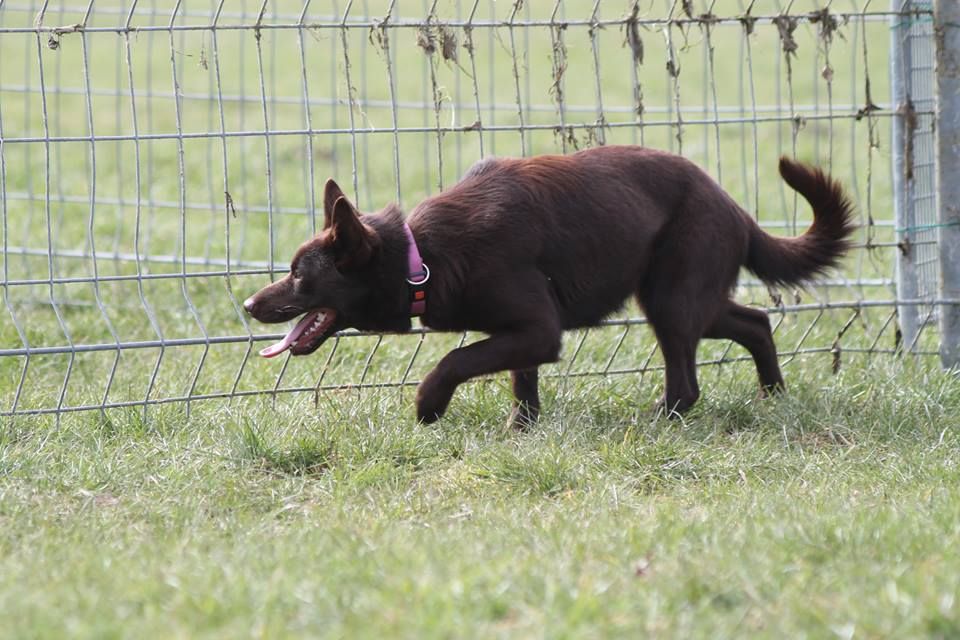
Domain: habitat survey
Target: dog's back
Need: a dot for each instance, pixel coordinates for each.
(590, 222)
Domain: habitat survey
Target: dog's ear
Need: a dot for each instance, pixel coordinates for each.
(353, 242)
(331, 193)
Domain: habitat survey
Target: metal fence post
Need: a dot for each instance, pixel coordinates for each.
(903, 202)
(947, 32)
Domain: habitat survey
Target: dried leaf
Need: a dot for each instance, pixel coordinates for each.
(448, 43)
(786, 25)
(426, 39)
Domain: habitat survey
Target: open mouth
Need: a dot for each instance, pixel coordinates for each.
(308, 334)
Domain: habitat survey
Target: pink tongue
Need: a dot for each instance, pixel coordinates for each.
(291, 337)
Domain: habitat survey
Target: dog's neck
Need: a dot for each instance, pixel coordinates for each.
(417, 275)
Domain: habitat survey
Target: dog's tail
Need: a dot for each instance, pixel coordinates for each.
(787, 261)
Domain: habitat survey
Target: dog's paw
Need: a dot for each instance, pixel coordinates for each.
(432, 401)
(771, 390)
(523, 417)
(674, 410)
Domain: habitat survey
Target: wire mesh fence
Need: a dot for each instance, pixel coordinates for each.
(160, 161)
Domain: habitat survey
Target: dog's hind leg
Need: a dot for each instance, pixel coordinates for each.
(680, 361)
(750, 328)
(678, 338)
(526, 407)
(678, 329)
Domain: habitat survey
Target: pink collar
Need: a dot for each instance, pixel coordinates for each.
(417, 275)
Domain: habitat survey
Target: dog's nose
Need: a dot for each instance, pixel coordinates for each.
(248, 304)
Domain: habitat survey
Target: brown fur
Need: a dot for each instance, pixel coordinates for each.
(522, 249)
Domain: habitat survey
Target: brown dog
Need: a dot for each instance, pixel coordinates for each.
(522, 249)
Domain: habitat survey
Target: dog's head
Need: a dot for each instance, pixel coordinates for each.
(327, 280)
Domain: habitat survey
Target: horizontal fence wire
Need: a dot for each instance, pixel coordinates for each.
(159, 162)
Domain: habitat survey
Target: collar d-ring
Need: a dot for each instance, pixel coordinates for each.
(426, 276)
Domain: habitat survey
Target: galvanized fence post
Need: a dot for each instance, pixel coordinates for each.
(903, 202)
(947, 33)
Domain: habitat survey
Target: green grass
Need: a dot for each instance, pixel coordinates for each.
(830, 511)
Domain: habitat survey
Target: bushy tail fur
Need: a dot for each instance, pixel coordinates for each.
(790, 261)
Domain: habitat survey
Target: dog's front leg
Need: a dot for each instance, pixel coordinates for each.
(520, 351)
(526, 407)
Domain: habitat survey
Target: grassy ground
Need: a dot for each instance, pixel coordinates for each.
(831, 511)
(828, 512)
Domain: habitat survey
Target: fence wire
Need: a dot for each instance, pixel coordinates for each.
(159, 163)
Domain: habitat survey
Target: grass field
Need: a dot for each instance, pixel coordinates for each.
(831, 511)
